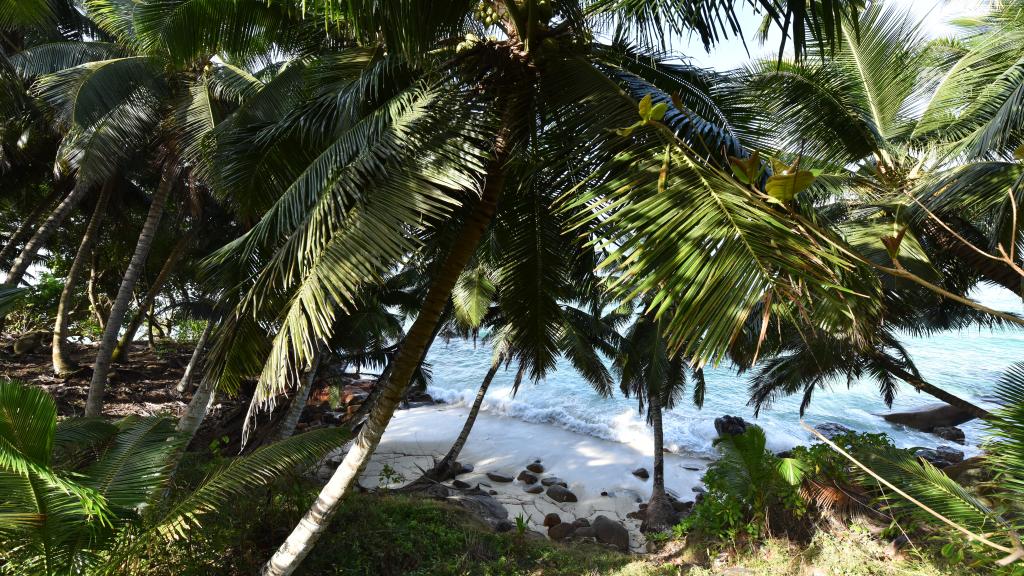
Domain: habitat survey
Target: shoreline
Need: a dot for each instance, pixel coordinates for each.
(500, 444)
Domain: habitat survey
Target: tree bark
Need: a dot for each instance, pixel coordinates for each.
(62, 363)
(446, 469)
(304, 536)
(90, 289)
(660, 515)
(121, 350)
(291, 418)
(186, 378)
(198, 407)
(42, 235)
(928, 388)
(94, 403)
(24, 230)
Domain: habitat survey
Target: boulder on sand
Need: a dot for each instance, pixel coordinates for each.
(553, 480)
(730, 425)
(608, 531)
(642, 473)
(561, 531)
(551, 519)
(560, 493)
(482, 505)
(527, 477)
(930, 417)
(534, 489)
(499, 477)
(536, 467)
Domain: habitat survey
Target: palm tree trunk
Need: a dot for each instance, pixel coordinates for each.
(24, 230)
(186, 378)
(198, 407)
(94, 403)
(928, 388)
(90, 290)
(445, 469)
(121, 350)
(62, 363)
(42, 235)
(304, 536)
(291, 418)
(660, 515)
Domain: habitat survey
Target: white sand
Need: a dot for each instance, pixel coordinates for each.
(500, 444)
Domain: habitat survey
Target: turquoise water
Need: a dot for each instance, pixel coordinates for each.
(967, 363)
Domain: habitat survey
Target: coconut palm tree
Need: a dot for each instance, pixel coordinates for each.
(656, 375)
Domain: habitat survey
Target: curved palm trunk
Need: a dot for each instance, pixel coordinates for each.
(90, 290)
(935, 391)
(94, 403)
(186, 378)
(660, 515)
(24, 230)
(42, 235)
(445, 469)
(121, 350)
(62, 363)
(198, 407)
(304, 536)
(291, 418)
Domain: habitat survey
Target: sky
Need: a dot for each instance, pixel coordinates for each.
(731, 53)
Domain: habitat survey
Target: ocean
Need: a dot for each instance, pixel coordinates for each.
(967, 363)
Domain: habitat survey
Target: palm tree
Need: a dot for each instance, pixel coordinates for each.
(540, 80)
(656, 376)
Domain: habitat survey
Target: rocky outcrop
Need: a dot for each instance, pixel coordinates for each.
(560, 493)
(553, 481)
(951, 433)
(499, 477)
(534, 489)
(608, 531)
(730, 425)
(527, 477)
(930, 417)
(536, 467)
(832, 429)
(940, 457)
(482, 505)
(561, 531)
(551, 519)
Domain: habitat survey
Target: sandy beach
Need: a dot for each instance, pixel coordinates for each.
(590, 466)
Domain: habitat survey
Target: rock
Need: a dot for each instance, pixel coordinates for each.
(682, 508)
(536, 468)
(560, 493)
(460, 484)
(642, 473)
(932, 456)
(930, 417)
(608, 531)
(585, 532)
(832, 429)
(951, 433)
(482, 505)
(604, 493)
(419, 397)
(950, 454)
(497, 477)
(534, 489)
(730, 425)
(492, 492)
(30, 342)
(462, 468)
(553, 481)
(527, 477)
(581, 523)
(551, 519)
(969, 472)
(561, 531)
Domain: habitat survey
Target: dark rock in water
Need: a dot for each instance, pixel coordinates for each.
(534, 489)
(682, 508)
(420, 397)
(551, 519)
(951, 433)
(561, 531)
(460, 484)
(934, 457)
(950, 454)
(497, 477)
(527, 477)
(483, 506)
(730, 425)
(604, 493)
(642, 473)
(832, 429)
(581, 522)
(584, 532)
(560, 493)
(608, 531)
(536, 468)
(553, 481)
(930, 417)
